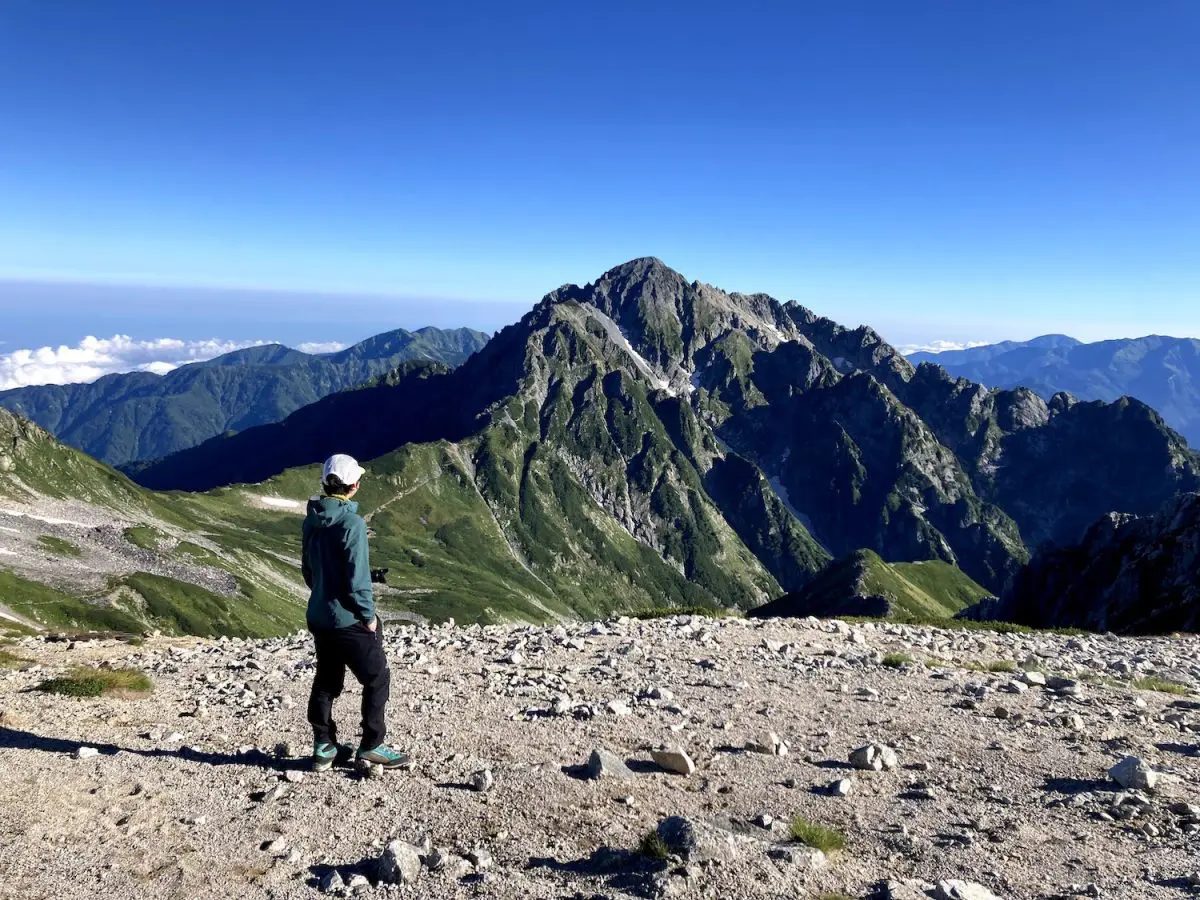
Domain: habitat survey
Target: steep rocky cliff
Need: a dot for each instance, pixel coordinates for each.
(1129, 575)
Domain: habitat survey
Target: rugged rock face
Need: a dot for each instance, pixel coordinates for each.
(1129, 575)
(738, 442)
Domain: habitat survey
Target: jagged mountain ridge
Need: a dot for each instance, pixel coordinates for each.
(132, 417)
(1162, 371)
(700, 422)
(1128, 574)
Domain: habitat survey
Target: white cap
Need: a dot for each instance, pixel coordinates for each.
(345, 468)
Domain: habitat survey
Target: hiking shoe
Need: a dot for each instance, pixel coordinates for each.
(385, 756)
(325, 755)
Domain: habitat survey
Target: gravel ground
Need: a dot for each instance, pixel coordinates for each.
(999, 785)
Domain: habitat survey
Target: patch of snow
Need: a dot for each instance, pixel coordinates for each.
(782, 493)
(10, 530)
(280, 502)
(4, 552)
(643, 365)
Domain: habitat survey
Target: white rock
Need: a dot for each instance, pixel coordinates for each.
(673, 759)
(1134, 773)
(953, 889)
(479, 858)
(769, 743)
(400, 863)
(86, 753)
(602, 764)
(842, 787)
(331, 882)
(874, 758)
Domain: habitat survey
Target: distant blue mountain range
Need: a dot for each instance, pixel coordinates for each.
(139, 416)
(1163, 372)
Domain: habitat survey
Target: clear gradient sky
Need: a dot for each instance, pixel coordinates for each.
(948, 169)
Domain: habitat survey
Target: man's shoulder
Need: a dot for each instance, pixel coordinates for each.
(354, 524)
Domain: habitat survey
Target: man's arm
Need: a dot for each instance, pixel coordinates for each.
(358, 573)
(305, 563)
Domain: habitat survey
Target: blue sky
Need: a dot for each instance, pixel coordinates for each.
(940, 170)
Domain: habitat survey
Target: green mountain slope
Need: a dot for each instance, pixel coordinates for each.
(863, 584)
(83, 547)
(123, 419)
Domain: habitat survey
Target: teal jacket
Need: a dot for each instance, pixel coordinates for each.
(336, 565)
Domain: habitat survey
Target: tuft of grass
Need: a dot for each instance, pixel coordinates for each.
(145, 537)
(57, 546)
(819, 837)
(897, 660)
(653, 846)
(87, 681)
(995, 666)
(1162, 685)
(10, 660)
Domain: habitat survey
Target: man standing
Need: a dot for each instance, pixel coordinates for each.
(342, 619)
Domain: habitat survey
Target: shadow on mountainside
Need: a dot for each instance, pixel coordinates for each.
(13, 739)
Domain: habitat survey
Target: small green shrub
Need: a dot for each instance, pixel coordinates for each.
(86, 681)
(1162, 685)
(57, 546)
(819, 837)
(144, 536)
(653, 846)
(10, 660)
(995, 666)
(897, 660)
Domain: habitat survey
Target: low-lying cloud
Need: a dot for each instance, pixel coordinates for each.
(940, 346)
(321, 347)
(94, 357)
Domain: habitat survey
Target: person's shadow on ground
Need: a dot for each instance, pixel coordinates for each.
(14, 739)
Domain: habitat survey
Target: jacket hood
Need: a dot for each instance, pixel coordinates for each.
(326, 511)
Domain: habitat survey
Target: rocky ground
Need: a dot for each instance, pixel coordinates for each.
(981, 783)
(101, 549)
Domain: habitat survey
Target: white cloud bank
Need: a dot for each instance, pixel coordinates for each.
(321, 347)
(94, 357)
(940, 346)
